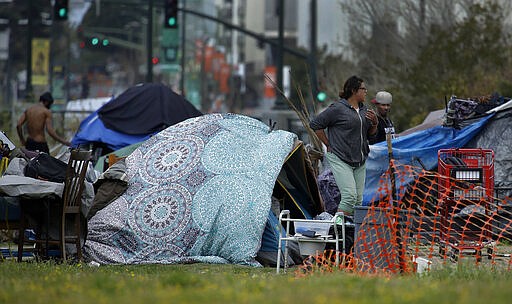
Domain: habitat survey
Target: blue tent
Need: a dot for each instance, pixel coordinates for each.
(92, 130)
(133, 116)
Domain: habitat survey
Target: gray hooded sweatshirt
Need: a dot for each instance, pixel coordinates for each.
(347, 131)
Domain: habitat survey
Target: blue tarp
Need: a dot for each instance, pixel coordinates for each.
(92, 129)
(138, 113)
(422, 145)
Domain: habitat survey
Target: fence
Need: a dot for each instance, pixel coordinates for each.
(421, 226)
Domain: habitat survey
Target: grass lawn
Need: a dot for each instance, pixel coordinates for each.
(31, 282)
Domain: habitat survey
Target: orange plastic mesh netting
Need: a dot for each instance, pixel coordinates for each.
(433, 220)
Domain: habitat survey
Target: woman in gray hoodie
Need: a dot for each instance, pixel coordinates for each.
(349, 123)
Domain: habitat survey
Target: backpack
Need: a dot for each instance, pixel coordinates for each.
(46, 167)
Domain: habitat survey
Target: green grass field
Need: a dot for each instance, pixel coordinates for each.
(30, 282)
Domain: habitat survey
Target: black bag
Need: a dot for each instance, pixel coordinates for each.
(46, 167)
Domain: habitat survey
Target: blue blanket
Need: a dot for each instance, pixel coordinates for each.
(199, 191)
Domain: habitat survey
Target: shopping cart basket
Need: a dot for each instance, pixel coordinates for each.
(466, 188)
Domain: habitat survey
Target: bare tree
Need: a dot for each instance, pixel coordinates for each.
(390, 31)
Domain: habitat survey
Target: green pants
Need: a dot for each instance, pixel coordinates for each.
(350, 181)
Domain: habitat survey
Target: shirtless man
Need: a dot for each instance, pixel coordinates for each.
(38, 118)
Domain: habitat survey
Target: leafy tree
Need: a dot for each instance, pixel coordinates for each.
(466, 60)
(423, 50)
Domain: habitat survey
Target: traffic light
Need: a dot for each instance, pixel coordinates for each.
(60, 10)
(321, 96)
(171, 14)
(95, 41)
(99, 42)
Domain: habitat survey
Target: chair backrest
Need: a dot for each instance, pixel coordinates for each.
(74, 182)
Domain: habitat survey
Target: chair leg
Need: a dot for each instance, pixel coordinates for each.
(47, 236)
(78, 230)
(75, 237)
(63, 237)
(21, 234)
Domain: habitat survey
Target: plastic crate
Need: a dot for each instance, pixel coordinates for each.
(320, 228)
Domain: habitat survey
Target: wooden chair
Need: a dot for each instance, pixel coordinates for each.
(70, 204)
(74, 185)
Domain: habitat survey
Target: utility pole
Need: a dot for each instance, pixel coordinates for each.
(279, 103)
(183, 51)
(149, 43)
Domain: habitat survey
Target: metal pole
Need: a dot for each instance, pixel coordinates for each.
(28, 87)
(279, 104)
(204, 95)
(149, 43)
(8, 84)
(68, 67)
(312, 49)
(183, 50)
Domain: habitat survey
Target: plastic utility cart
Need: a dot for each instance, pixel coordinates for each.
(312, 235)
(466, 181)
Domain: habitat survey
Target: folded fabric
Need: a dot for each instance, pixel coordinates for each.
(27, 187)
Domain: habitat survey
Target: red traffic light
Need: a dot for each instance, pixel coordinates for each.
(155, 60)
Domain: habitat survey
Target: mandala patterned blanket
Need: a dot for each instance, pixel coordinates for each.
(199, 191)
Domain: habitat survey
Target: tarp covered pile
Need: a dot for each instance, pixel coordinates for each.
(459, 128)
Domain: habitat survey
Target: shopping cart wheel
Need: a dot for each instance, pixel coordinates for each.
(489, 253)
(454, 255)
(442, 250)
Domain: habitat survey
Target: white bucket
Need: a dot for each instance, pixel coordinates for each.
(422, 264)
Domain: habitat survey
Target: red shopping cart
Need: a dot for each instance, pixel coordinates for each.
(466, 188)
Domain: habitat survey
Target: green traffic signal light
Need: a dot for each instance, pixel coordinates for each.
(63, 13)
(105, 42)
(95, 41)
(60, 9)
(171, 22)
(321, 96)
(171, 13)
